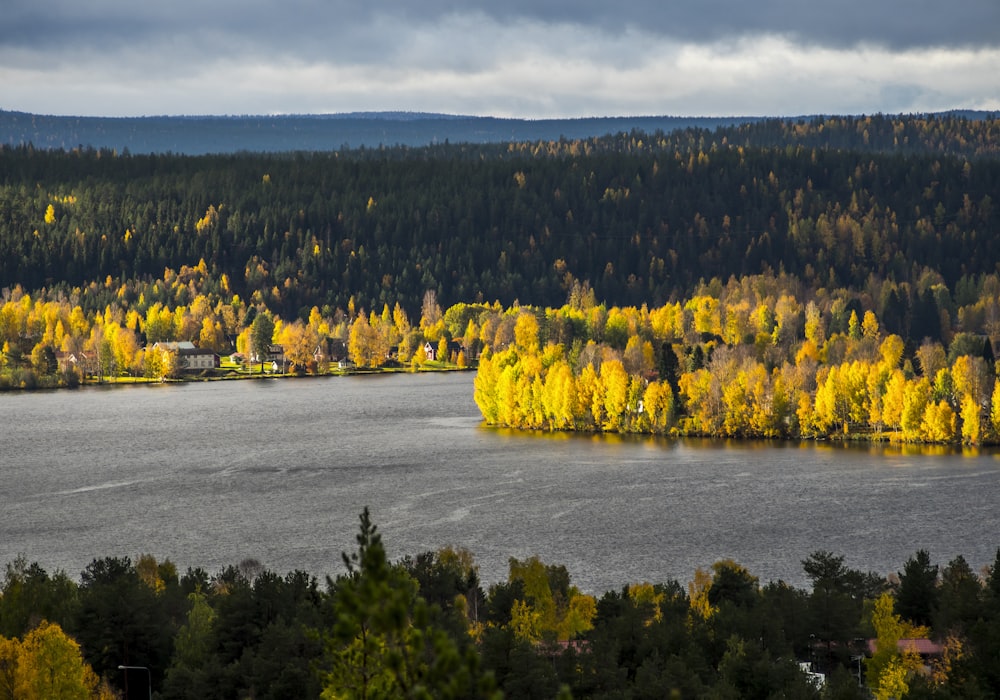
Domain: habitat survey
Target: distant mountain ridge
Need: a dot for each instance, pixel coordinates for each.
(195, 135)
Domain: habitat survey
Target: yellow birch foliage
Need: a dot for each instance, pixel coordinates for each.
(526, 332)
(893, 399)
(995, 408)
(558, 396)
(48, 664)
(768, 401)
(211, 336)
(299, 342)
(525, 622)
(362, 342)
(484, 387)
(971, 421)
(737, 322)
(531, 390)
(890, 669)
(698, 593)
(579, 617)
(646, 594)
(734, 401)
(706, 317)
(938, 424)
(508, 396)
(915, 399)
(878, 379)
(588, 391)
(891, 351)
(702, 394)
(615, 381)
(658, 405)
(667, 322)
(9, 676)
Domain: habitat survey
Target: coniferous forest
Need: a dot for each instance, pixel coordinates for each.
(832, 277)
(841, 203)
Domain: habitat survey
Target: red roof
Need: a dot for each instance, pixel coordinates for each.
(924, 647)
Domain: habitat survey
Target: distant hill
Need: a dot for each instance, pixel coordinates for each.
(269, 134)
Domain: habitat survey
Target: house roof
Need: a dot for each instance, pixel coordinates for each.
(184, 347)
(193, 352)
(924, 647)
(174, 345)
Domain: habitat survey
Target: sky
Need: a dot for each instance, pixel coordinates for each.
(508, 58)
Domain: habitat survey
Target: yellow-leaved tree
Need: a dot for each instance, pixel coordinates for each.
(890, 668)
(362, 343)
(615, 382)
(551, 608)
(658, 406)
(47, 664)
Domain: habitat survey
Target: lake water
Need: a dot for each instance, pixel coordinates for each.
(209, 474)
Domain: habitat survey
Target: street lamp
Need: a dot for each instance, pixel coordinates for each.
(858, 658)
(142, 668)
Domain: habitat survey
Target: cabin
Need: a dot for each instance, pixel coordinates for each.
(69, 360)
(321, 353)
(927, 649)
(273, 353)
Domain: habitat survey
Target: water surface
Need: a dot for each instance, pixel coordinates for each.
(208, 474)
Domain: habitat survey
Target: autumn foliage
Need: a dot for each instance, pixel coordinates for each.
(737, 362)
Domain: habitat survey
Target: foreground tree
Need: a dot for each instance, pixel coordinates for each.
(47, 664)
(122, 619)
(385, 643)
(890, 669)
(917, 597)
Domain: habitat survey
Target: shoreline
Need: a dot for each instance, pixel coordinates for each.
(229, 375)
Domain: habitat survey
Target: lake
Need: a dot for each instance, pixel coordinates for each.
(210, 474)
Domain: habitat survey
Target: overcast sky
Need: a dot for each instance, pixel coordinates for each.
(512, 58)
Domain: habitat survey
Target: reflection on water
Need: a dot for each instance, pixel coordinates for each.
(209, 474)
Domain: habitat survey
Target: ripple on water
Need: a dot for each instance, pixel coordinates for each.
(209, 475)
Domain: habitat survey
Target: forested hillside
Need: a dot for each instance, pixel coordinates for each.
(320, 132)
(642, 218)
(749, 233)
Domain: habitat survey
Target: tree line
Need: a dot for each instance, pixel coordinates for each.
(39, 337)
(748, 359)
(425, 626)
(762, 356)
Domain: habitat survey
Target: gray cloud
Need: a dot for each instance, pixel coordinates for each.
(516, 58)
(314, 25)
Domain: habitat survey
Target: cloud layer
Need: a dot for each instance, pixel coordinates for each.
(519, 58)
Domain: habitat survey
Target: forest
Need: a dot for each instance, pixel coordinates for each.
(424, 627)
(643, 218)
